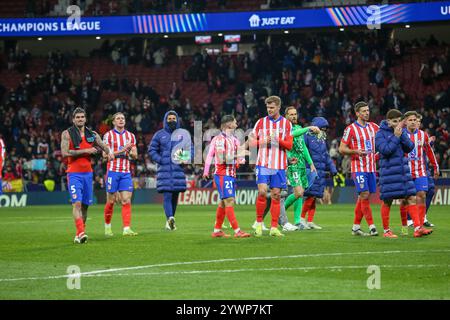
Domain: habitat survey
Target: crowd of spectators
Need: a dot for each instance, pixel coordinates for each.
(310, 74)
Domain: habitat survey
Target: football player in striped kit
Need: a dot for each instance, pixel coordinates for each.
(118, 179)
(273, 137)
(358, 141)
(431, 177)
(417, 161)
(224, 149)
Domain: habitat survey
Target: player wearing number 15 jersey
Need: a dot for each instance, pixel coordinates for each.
(118, 179)
(358, 141)
(224, 150)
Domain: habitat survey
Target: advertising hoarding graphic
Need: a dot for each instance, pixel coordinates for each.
(230, 21)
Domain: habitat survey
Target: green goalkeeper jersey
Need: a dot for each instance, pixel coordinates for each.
(299, 149)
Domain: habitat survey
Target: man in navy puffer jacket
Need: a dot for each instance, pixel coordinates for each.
(170, 147)
(392, 143)
(318, 150)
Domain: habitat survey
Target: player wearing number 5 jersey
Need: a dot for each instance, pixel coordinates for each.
(78, 143)
(224, 149)
(358, 141)
(118, 179)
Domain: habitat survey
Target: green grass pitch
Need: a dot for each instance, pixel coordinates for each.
(36, 249)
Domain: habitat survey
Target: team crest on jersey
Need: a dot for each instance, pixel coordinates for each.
(368, 145)
(220, 145)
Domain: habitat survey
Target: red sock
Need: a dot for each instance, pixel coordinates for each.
(404, 215)
(312, 209)
(422, 211)
(261, 203)
(229, 211)
(79, 224)
(385, 211)
(414, 213)
(220, 216)
(358, 213)
(109, 208)
(275, 212)
(126, 214)
(306, 207)
(367, 211)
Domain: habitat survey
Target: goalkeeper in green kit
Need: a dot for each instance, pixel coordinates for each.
(296, 171)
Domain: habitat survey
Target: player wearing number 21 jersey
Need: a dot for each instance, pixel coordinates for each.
(224, 150)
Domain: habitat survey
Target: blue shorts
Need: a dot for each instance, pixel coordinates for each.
(226, 186)
(272, 177)
(421, 184)
(1, 188)
(118, 181)
(80, 187)
(365, 181)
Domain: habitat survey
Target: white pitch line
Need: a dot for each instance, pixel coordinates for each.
(337, 268)
(218, 261)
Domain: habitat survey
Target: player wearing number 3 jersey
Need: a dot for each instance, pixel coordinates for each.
(358, 141)
(224, 149)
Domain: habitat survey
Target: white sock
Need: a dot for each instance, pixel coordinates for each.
(126, 228)
(416, 228)
(107, 225)
(217, 230)
(237, 230)
(356, 227)
(386, 230)
(426, 219)
(372, 226)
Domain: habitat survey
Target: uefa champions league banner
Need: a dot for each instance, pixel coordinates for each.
(371, 16)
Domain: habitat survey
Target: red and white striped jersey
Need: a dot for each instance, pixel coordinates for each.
(223, 149)
(272, 156)
(116, 141)
(2, 157)
(357, 137)
(416, 157)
